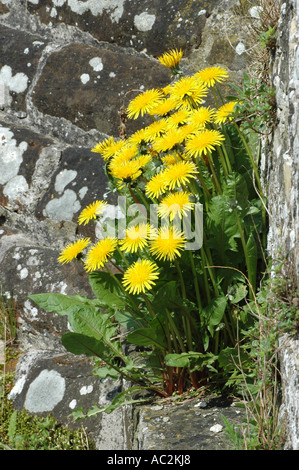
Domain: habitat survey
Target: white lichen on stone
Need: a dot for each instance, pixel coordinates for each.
(15, 187)
(17, 83)
(11, 158)
(45, 392)
(63, 208)
(240, 49)
(85, 78)
(82, 192)
(96, 63)
(216, 428)
(23, 273)
(86, 389)
(73, 404)
(144, 22)
(63, 179)
(114, 8)
(29, 310)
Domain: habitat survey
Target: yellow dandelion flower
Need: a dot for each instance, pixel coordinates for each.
(167, 244)
(136, 238)
(171, 58)
(168, 140)
(126, 171)
(99, 254)
(126, 154)
(179, 174)
(224, 112)
(156, 186)
(154, 130)
(141, 276)
(203, 142)
(210, 75)
(108, 147)
(201, 116)
(143, 160)
(170, 159)
(188, 92)
(177, 118)
(72, 250)
(144, 102)
(92, 211)
(137, 138)
(188, 129)
(163, 108)
(173, 204)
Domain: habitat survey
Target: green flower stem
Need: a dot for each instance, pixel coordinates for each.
(145, 202)
(208, 259)
(207, 288)
(178, 335)
(149, 305)
(216, 181)
(227, 148)
(215, 96)
(188, 332)
(181, 279)
(128, 296)
(222, 161)
(201, 180)
(255, 169)
(222, 149)
(170, 334)
(122, 256)
(195, 281)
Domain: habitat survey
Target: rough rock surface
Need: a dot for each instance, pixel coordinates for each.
(280, 167)
(66, 68)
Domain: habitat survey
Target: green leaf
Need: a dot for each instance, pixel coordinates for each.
(230, 358)
(177, 360)
(252, 259)
(82, 344)
(147, 337)
(12, 427)
(237, 292)
(127, 320)
(222, 226)
(125, 397)
(166, 296)
(106, 289)
(215, 310)
(84, 315)
(191, 359)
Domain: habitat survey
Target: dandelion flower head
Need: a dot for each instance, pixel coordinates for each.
(157, 185)
(180, 173)
(210, 75)
(72, 250)
(99, 254)
(108, 147)
(91, 212)
(201, 116)
(141, 276)
(144, 102)
(225, 112)
(188, 92)
(167, 245)
(203, 141)
(171, 58)
(175, 203)
(136, 238)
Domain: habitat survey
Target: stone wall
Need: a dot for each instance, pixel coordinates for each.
(280, 167)
(66, 69)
